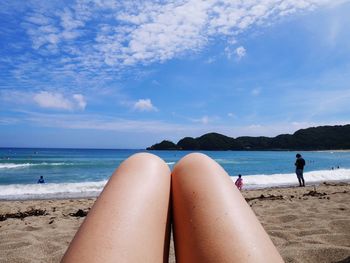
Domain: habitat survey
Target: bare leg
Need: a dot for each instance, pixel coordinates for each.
(299, 181)
(212, 221)
(129, 221)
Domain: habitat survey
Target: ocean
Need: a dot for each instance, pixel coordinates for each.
(77, 173)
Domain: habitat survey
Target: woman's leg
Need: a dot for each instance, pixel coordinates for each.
(212, 221)
(129, 222)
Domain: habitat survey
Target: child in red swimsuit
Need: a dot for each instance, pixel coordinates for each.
(239, 182)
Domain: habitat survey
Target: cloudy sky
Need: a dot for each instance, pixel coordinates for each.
(127, 74)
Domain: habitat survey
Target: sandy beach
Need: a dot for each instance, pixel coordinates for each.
(305, 225)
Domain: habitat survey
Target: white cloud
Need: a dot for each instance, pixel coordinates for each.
(38, 19)
(68, 22)
(52, 100)
(144, 105)
(127, 33)
(103, 123)
(231, 115)
(80, 100)
(240, 52)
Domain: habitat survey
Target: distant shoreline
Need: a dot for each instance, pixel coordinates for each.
(322, 138)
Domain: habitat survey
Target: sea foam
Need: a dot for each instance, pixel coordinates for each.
(51, 190)
(92, 189)
(14, 165)
(25, 165)
(313, 177)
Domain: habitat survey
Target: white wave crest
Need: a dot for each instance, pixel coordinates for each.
(90, 189)
(24, 165)
(227, 161)
(14, 165)
(274, 180)
(51, 190)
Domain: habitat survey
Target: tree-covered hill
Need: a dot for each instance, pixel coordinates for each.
(315, 138)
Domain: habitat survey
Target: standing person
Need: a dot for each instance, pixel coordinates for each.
(239, 182)
(41, 180)
(299, 169)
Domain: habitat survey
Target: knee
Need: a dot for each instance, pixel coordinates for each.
(192, 159)
(193, 164)
(147, 158)
(196, 175)
(145, 164)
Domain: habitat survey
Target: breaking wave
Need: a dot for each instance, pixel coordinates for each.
(25, 165)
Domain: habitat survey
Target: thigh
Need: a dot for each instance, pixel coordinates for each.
(212, 221)
(129, 221)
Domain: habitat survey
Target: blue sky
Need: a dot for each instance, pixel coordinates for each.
(128, 74)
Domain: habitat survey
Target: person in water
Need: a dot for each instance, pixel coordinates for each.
(41, 180)
(239, 182)
(131, 220)
(299, 169)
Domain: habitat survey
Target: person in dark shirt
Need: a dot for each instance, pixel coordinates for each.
(299, 169)
(41, 180)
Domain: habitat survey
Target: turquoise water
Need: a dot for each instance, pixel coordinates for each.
(87, 168)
